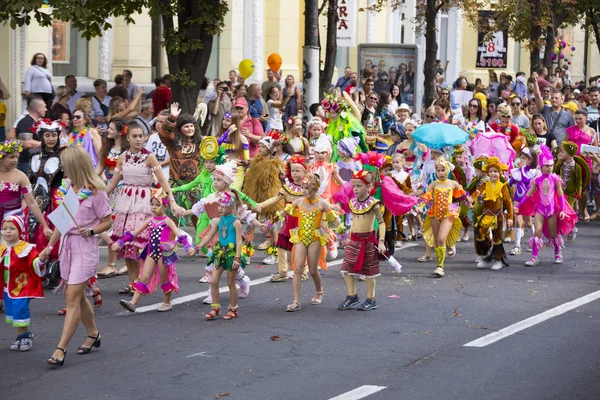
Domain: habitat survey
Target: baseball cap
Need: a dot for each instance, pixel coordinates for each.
(240, 102)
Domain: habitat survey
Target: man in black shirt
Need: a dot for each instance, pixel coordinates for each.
(27, 132)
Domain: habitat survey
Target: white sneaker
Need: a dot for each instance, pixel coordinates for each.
(333, 253)
(478, 259)
(482, 264)
(558, 258)
(269, 260)
(515, 251)
(205, 279)
(244, 284)
(497, 265)
(208, 300)
(16, 344)
(532, 262)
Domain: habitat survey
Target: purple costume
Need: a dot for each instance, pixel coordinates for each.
(521, 178)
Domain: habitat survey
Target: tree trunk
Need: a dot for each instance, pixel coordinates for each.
(330, 47)
(188, 68)
(431, 48)
(550, 41)
(535, 34)
(310, 69)
(593, 19)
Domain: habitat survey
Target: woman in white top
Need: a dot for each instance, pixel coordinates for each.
(275, 105)
(395, 101)
(38, 80)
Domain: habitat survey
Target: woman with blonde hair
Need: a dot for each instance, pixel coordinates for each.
(60, 103)
(79, 250)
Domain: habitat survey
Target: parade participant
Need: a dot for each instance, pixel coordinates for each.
(463, 173)
(85, 135)
(495, 198)
(135, 167)
(282, 148)
(290, 192)
(505, 125)
(343, 122)
(328, 172)
(309, 237)
(15, 186)
(159, 256)
(262, 182)
(575, 174)
(553, 216)
(520, 179)
(362, 247)
(237, 148)
(374, 137)
(347, 165)
(223, 176)
(473, 121)
(181, 137)
(211, 155)
(298, 142)
(227, 255)
(316, 128)
(480, 177)
(402, 178)
(442, 226)
(21, 279)
(112, 147)
(79, 250)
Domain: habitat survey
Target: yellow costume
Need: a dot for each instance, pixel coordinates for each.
(309, 223)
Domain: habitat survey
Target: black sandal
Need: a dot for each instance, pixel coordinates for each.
(55, 361)
(97, 343)
(127, 290)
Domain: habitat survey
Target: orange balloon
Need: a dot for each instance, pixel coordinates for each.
(274, 62)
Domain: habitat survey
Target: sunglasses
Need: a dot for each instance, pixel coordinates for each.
(430, 116)
(445, 94)
(77, 116)
(515, 104)
(546, 91)
(473, 106)
(373, 98)
(505, 116)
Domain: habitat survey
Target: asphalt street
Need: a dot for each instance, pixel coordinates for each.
(411, 347)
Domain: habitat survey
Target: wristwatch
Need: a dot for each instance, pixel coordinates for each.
(91, 231)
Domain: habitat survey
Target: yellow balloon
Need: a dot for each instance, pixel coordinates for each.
(246, 68)
(274, 62)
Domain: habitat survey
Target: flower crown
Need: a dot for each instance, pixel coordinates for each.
(332, 104)
(9, 147)
(494, 162)
(160, 195)
(362, 176)
(370, 160)
(226, 199)
(278, 136)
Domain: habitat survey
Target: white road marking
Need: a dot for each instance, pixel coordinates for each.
(203, 354)
(359, 393)
(536, 319)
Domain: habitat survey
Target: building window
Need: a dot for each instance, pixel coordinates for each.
(73, 57)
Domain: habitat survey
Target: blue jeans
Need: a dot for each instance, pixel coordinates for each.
(2, 134)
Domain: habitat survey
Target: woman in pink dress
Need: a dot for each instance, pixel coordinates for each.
(79, 250)
(581, 134)
(135, 167)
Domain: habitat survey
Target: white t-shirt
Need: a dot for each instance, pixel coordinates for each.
(274, 120)
(400, 176)
(159, 150)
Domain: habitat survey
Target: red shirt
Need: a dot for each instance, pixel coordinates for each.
(161, 98)
(255, 128)
(512, 131)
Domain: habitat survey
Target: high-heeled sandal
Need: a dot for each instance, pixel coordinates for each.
(231, 313)
(314, 301)
(97, 298)
(212, 314)
(55, 362)
(97, 343)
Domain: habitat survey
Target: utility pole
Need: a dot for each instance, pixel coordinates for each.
(310, 52)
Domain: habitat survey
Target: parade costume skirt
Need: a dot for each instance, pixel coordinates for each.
(453, 235)
(223, 256)
(168, 257)
(361, 255)
(284, 235)
(130, 222)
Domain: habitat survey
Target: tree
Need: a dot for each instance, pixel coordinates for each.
(330, 45)
(591, 10)
(188, 45)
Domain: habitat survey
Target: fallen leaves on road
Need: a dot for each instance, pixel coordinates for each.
(478, 327)
(393, 296)
(222, 395)
(534, 291)
(457, 283)
(275, 338)
(455, 313)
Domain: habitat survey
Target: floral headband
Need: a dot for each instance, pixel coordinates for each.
(361, 176)
(299, 160)
(9, 147)
(160, 195)
(278, 137)
(331, 104)
(125, 130)
(292, 120)
(226, 199)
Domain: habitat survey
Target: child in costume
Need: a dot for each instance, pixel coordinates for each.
(316, 128)
(159, 256)
(223, 176)
(289, 193)
(442, 226)
(211, 155)
(362, 247)
(309, 237)
(343, 123)
(237, 148)
(479, 177)
(495, 198)
(575, 174)
(553, 215)
(328, 172)
(463, 174)
(402, 179)
(347, 165)
(520, 178)
(374, 138)
(21, 279)
(227, 255)
(262, 182)
(298, 142)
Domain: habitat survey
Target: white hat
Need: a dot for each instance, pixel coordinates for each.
(323, 144)
(226, 171)
(404, 106)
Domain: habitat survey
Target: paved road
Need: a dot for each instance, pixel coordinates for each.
(411, 347)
